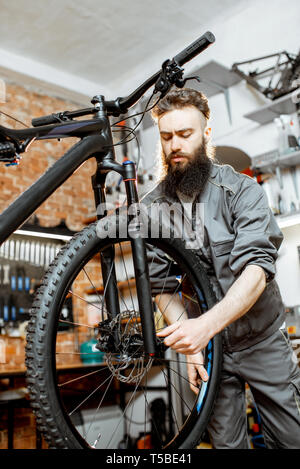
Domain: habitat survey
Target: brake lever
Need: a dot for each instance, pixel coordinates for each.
(171, 74)
(192, 78)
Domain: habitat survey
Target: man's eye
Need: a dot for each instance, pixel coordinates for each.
(186, 135)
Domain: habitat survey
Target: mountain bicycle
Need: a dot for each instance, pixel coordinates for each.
(137, 366)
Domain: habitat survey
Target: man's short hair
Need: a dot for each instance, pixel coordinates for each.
(180, 98)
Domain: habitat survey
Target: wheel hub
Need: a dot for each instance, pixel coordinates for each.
(122, 335)
(122, 341)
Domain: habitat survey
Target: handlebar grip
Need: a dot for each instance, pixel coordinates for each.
(195, 48)
(45, 120)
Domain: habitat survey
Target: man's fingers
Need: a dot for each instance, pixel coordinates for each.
(196, 371)
(202, 373)
(180, 348)
(193, 379)
(168, 330)
(194, 385)
(196, 376)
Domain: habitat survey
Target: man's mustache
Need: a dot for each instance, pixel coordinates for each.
(176, 154)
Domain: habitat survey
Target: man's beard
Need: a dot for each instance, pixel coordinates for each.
(188, 180)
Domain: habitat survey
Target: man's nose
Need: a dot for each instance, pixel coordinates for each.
(175, 144)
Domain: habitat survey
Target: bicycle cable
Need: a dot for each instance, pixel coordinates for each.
(134, 115)
(137, 141)
(132, 130)
(13, 118)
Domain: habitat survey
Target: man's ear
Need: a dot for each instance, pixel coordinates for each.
(207, 133)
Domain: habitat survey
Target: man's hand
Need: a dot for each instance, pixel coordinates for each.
(190, 336)
(196, 371)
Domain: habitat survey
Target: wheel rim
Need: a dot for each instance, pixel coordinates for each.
(93, 410)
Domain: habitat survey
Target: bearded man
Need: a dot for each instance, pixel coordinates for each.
(240, 240)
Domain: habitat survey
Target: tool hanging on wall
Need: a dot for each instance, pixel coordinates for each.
(32, 252)
(23, 263)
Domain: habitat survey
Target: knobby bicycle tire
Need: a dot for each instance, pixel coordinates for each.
(56, 417)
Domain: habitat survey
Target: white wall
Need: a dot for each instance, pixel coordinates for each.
(288, 266)
(260, 29)
(263, 28)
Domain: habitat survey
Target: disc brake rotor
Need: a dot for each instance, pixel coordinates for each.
(131, 363)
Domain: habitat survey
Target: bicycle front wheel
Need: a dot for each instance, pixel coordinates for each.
(84, 399)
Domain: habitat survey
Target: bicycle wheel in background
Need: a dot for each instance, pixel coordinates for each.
(111, 403)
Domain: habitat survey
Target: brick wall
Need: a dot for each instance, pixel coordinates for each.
(25, 435)
(73, 202)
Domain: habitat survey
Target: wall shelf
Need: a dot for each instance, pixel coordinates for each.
(285, 221)
(271, 160)
(267, 113)
(215, 77)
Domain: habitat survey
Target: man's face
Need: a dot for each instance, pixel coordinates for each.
(181, 133)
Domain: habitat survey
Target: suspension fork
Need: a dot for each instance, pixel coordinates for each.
(128, 173)
(107, 256)
(140, 263)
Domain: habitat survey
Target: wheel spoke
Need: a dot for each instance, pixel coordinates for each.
(72, 323)
(94, 288)
(179, 374)
(60, 385)
(173, 386)
(84, 299)
(172, 407)
(120, 420)
(90, 395)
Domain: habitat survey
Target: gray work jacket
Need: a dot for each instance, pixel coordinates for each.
(237, 229)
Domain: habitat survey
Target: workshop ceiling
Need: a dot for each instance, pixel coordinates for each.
(113, 44)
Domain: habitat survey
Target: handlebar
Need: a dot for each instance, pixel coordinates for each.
(61, 116)
(121, 105)
(195, 48)
(198, 46)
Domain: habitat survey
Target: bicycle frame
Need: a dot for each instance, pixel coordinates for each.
(96, 142)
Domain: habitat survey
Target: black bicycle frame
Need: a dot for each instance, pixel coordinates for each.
(96, 141)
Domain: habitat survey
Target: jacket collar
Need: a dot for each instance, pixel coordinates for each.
(214, 170)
